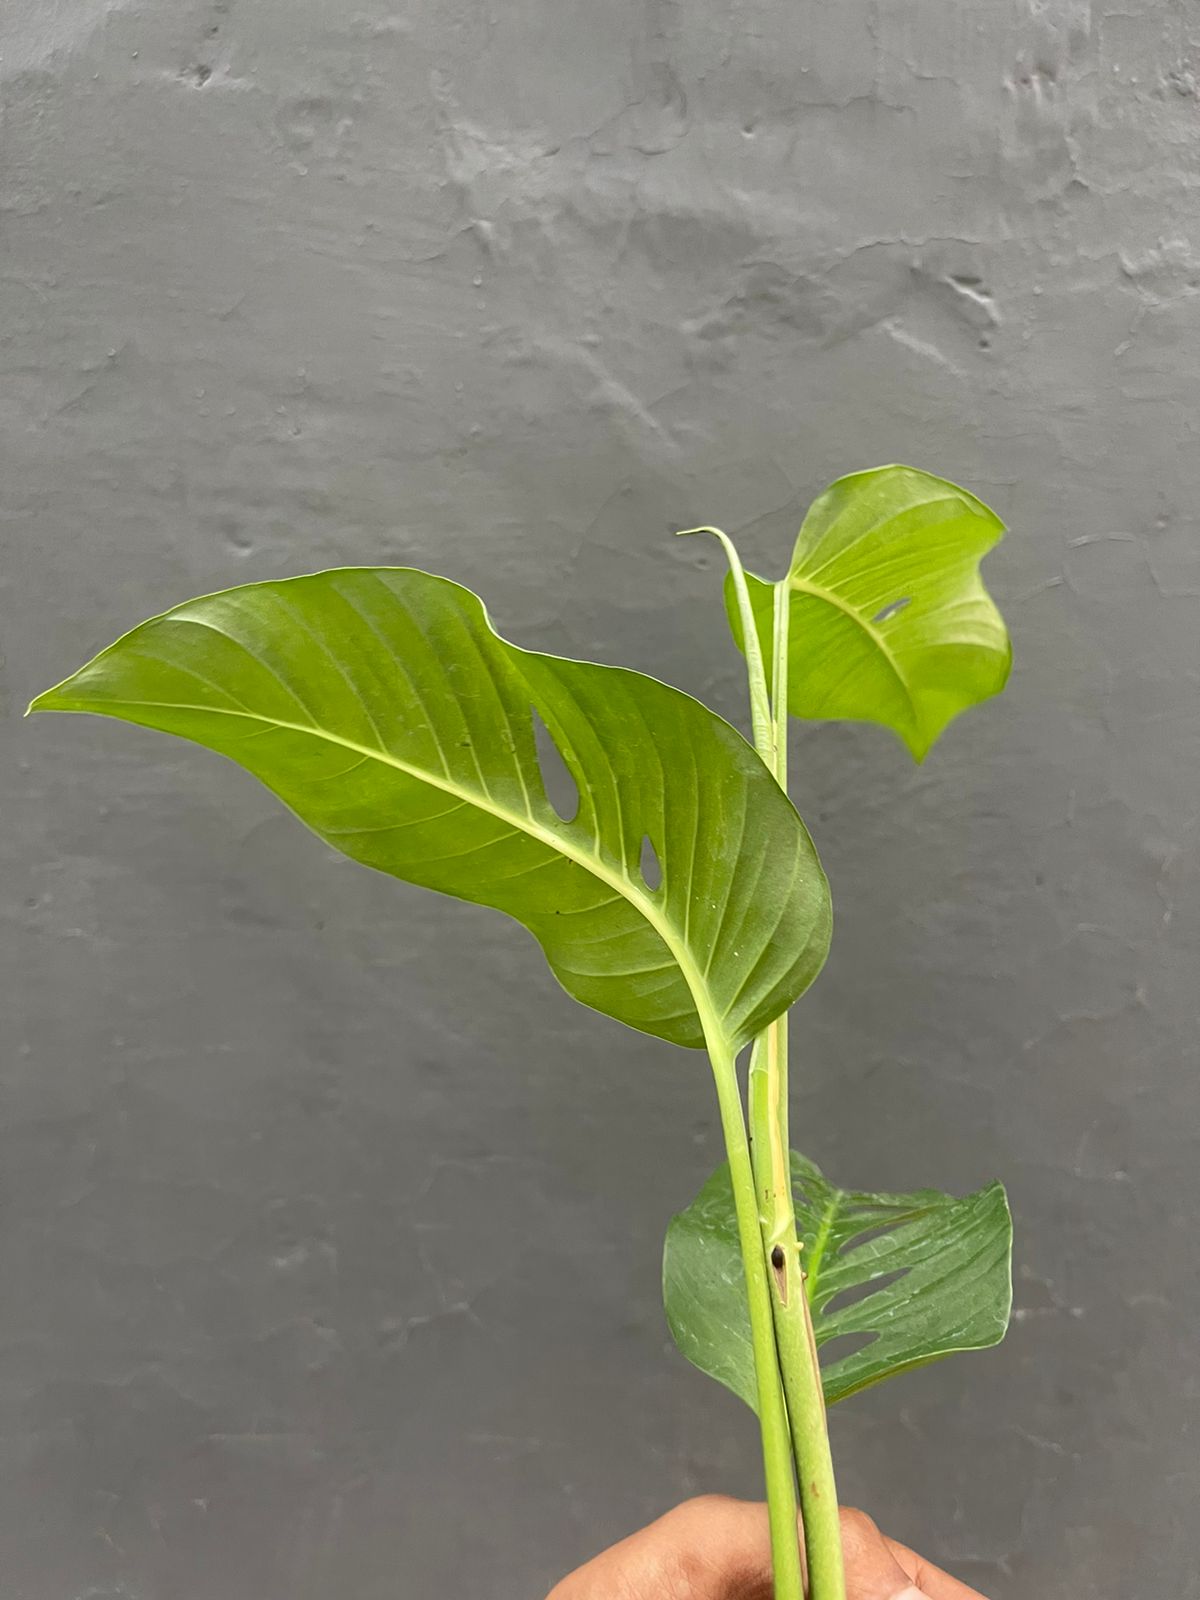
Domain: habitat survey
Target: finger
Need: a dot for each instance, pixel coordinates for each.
(931, 1580)
(726, 1548)
(712, 1548)
(872, 1571)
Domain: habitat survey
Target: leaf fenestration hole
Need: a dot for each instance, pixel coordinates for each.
(871, 1231)
(892, 607)
(650, 866)
(843, 1345)
(560, 787)
(845, 1298)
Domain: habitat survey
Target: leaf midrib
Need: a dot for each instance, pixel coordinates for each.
(821, 1240)
(819, 592)
(714, 1032)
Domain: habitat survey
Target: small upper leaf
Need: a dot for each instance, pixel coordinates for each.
(889, 620)
(917, 1276)
(665, 874)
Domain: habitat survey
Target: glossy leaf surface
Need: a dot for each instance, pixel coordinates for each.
(380, 705)
(914, 1276)
(889, 618)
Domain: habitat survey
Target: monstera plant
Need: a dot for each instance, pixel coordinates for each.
(669, 882)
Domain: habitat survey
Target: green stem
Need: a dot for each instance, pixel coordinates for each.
(794, 1340)
(780, 1321)
(772, 1412)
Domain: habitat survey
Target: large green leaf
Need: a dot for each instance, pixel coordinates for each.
(917, 1276)
(889, 620)
(380, 705)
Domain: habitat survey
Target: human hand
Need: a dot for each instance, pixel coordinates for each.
(714, 1548)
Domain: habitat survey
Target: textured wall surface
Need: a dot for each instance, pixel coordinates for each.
(329, 1228)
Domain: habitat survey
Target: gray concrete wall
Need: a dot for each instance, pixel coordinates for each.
(330, 1228)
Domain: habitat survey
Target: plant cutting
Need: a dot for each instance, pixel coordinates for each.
(670, 883)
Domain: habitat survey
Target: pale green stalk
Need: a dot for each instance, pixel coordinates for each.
(760, 700)
(772, 1407)
(772, 1411)
(795, 1346)
(794, 1340)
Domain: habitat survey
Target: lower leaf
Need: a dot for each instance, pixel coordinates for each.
(894, 1281)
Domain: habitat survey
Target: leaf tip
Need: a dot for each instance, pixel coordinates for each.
(40, 702)
(52, 699)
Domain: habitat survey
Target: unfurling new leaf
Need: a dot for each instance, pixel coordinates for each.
(889, 620)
